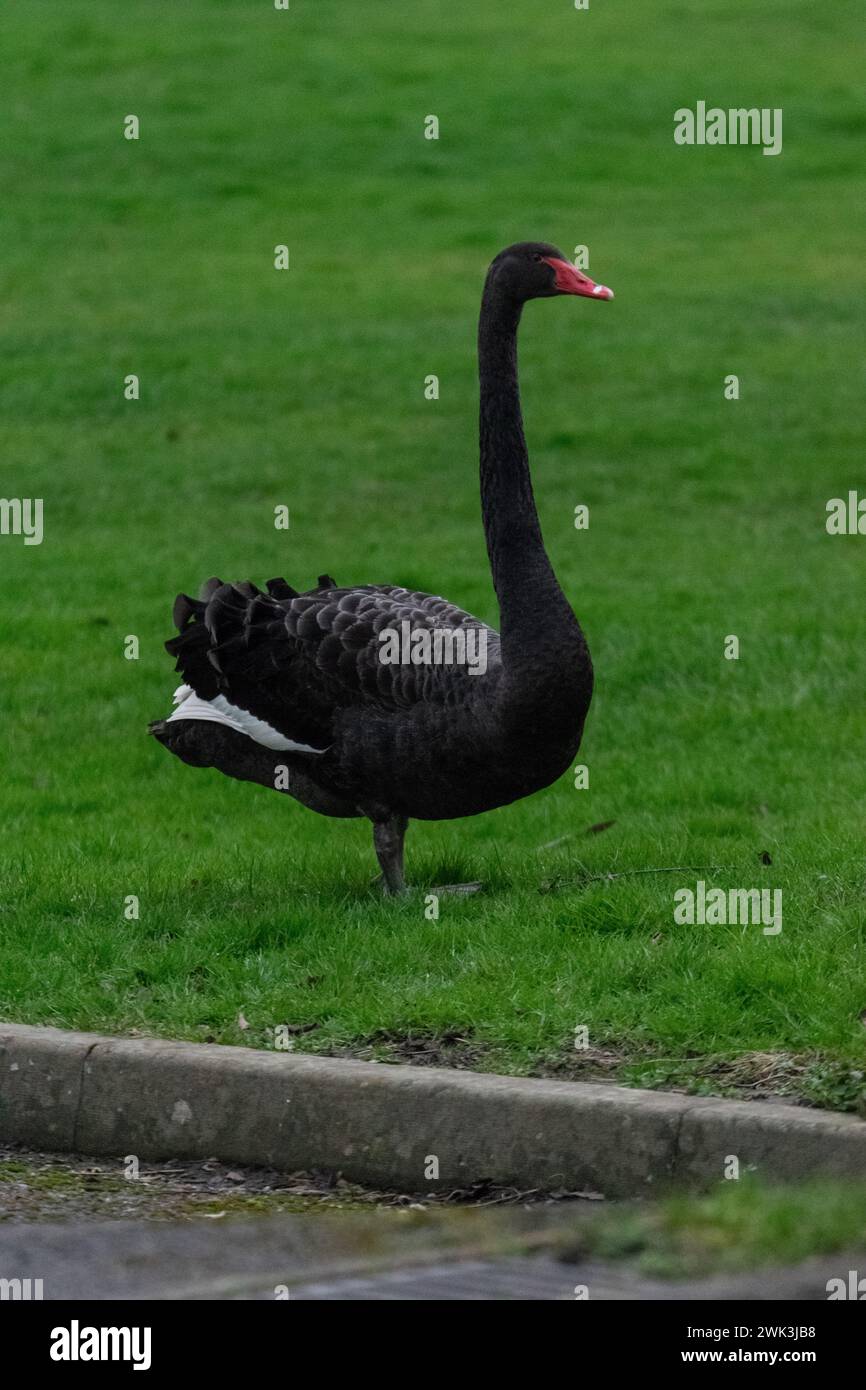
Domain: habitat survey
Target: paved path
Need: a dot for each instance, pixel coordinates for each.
(348, 1256)
(175, 1232)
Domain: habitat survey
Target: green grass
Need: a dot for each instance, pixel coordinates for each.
(740, 1226)
(306, 388)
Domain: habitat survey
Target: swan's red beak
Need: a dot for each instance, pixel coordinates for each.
(570, 280)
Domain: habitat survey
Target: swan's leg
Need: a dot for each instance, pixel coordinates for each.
(388, 839)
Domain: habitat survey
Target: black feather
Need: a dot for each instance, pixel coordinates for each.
(278, 588)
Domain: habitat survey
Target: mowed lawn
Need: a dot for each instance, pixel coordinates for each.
(305, 388)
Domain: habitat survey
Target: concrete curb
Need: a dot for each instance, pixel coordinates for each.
(381, 1124)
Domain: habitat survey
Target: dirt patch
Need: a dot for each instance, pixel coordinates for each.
(781, 1077)
(59, 1187)
(448, 1049)
(588, 1064)
(758, 1076)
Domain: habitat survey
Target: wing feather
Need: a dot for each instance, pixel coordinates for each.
(297, 660)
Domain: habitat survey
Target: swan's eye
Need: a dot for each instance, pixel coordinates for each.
(537, 257)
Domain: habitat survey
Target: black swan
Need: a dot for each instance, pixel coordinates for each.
(294, 691)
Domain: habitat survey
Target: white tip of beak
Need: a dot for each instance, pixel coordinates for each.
(603, 292)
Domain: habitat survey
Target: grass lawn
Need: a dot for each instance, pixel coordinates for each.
(306, 388)
(742, 1225)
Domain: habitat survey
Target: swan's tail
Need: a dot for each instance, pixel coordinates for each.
(233, 651)
(225, 631)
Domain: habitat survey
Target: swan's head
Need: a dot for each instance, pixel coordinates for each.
(535, 270)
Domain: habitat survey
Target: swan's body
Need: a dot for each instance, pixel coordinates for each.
(291, 690)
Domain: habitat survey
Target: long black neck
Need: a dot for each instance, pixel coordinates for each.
(543, 649)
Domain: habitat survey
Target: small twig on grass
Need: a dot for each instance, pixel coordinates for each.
(549, 884)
